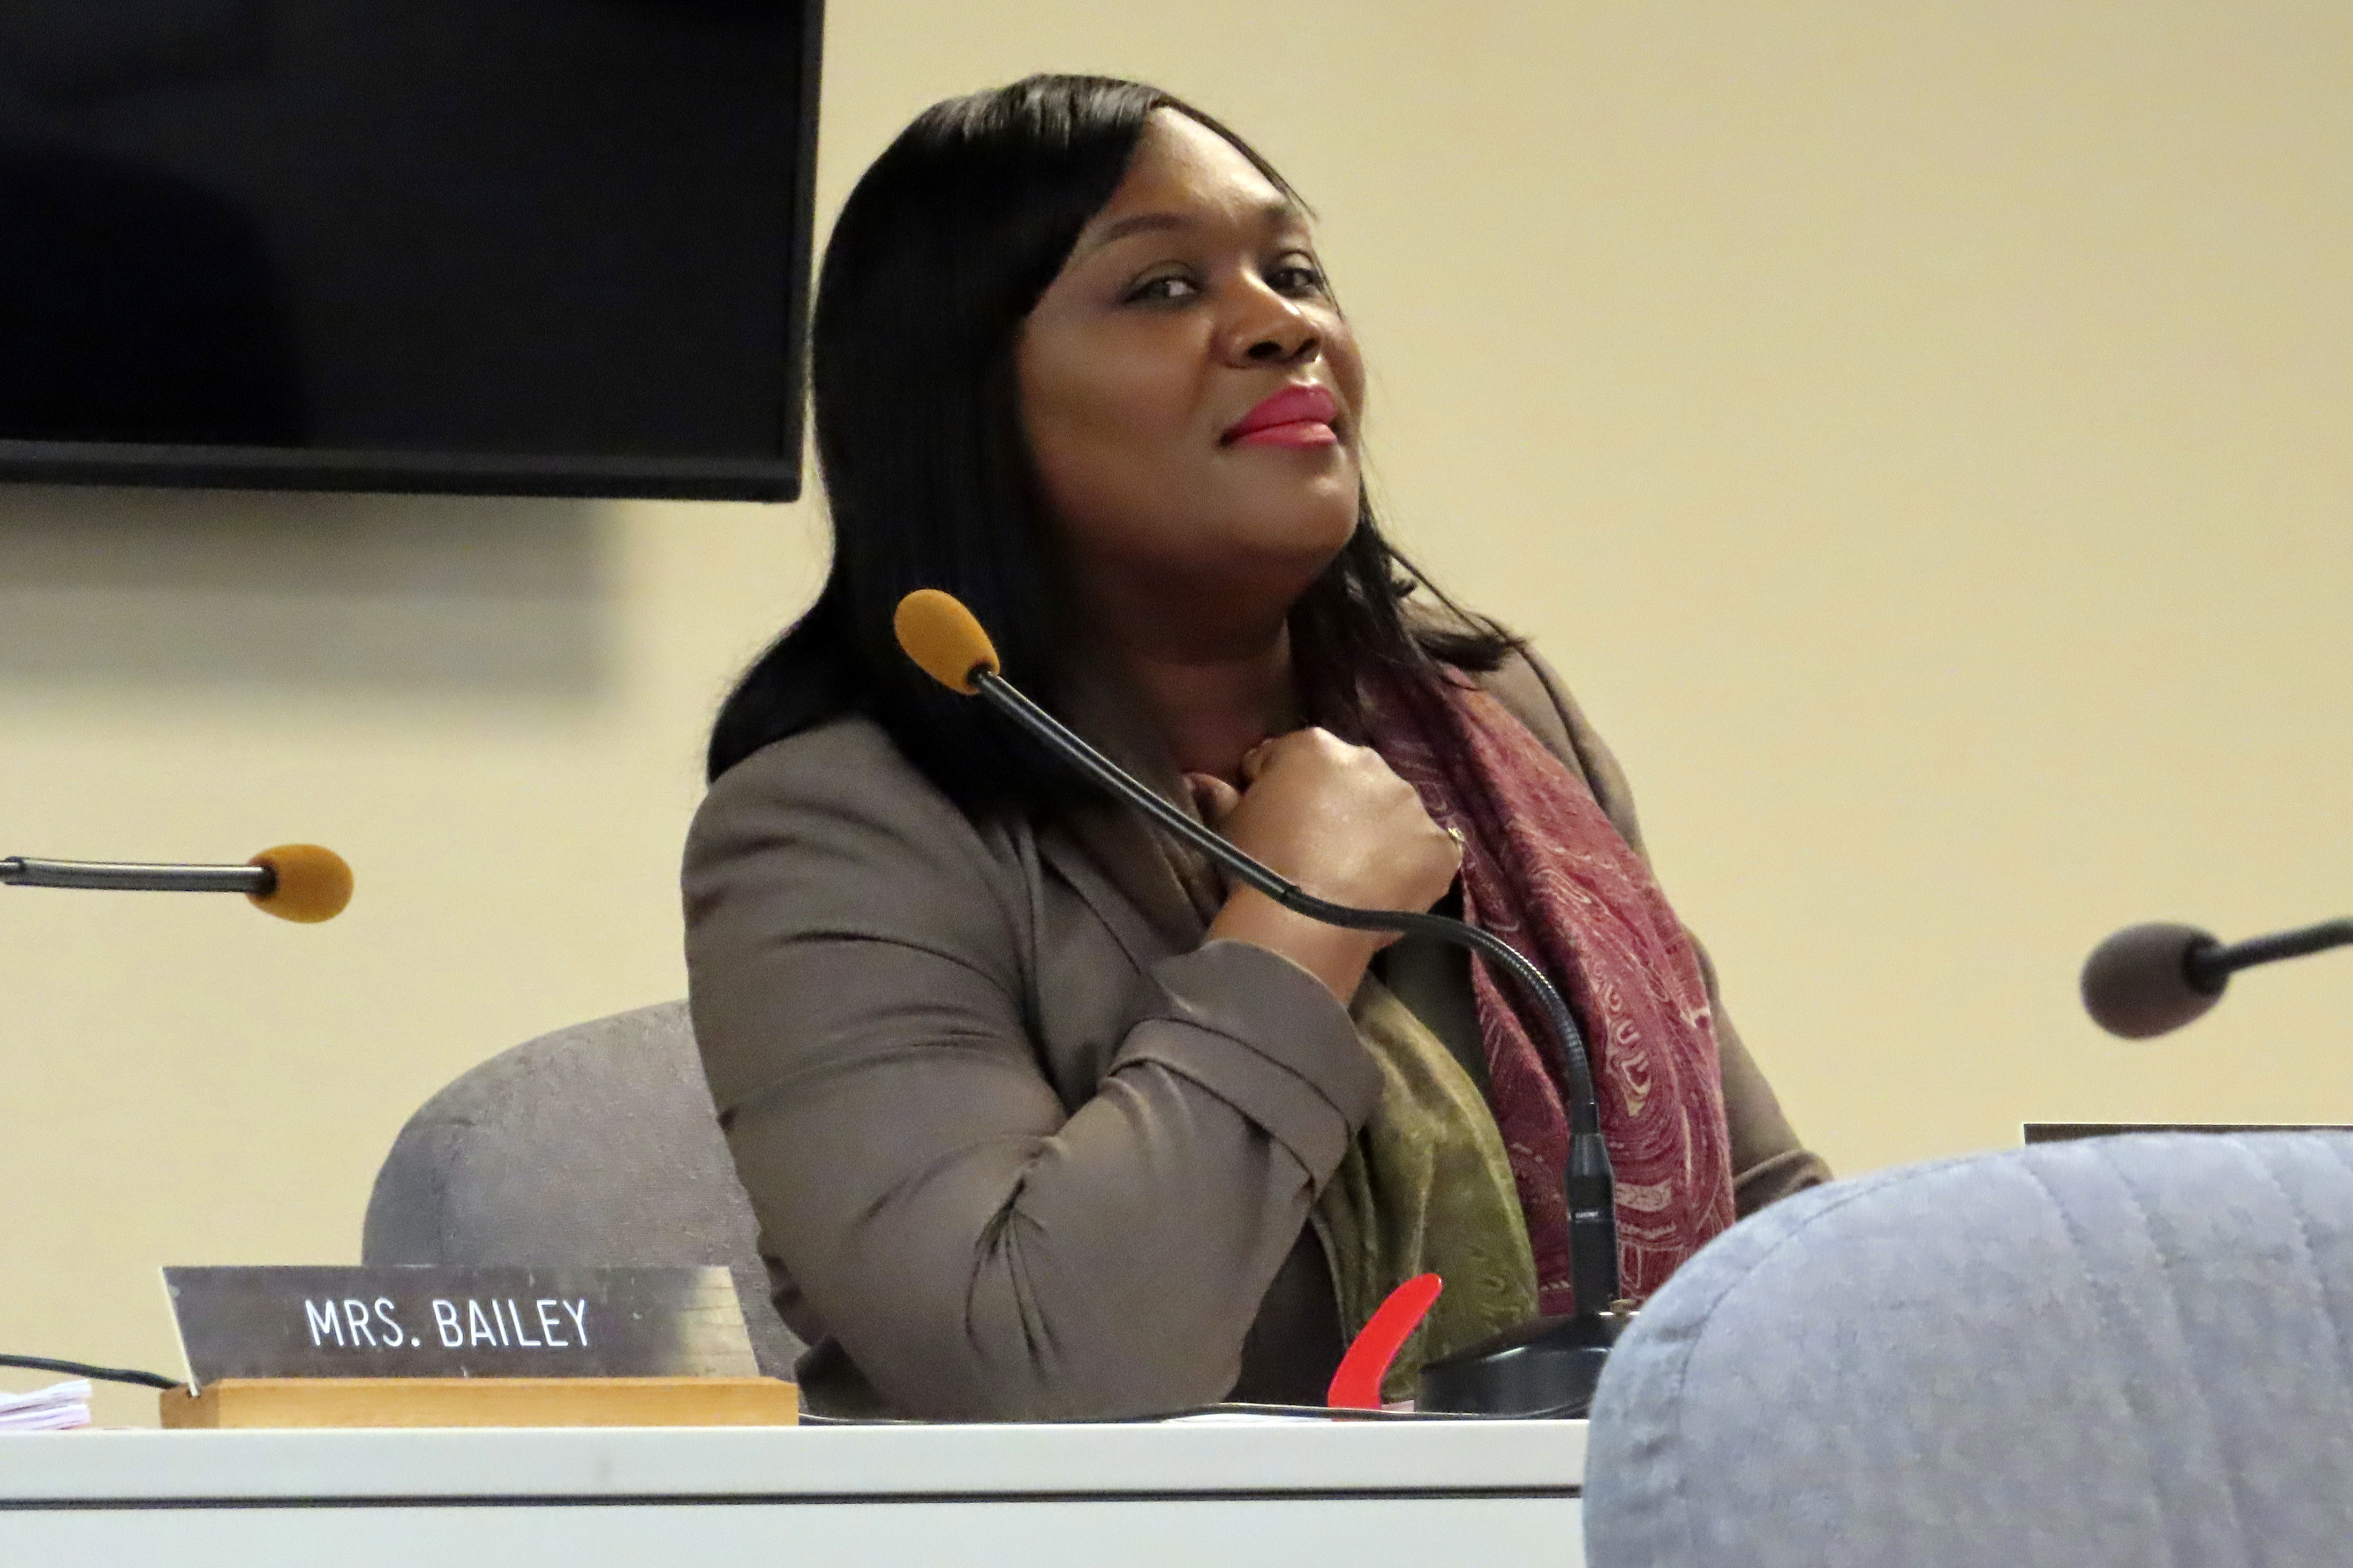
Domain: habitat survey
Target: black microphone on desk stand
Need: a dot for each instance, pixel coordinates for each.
(1544, 1367)
(2149, 980)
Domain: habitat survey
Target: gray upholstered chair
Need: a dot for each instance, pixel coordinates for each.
(2124, 1351)
(595, 1144)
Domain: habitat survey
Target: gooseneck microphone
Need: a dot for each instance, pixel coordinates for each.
(2149, 980)
(1547, 1367)
(299, 882)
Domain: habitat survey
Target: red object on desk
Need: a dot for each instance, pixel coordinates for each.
(1357, 1384)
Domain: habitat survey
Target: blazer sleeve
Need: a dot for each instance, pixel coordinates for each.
(979, 1249)
(1768, 1162)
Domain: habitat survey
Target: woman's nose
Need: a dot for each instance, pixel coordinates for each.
(1274, 331)
(1286, 348)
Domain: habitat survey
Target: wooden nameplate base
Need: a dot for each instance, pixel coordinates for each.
(485, 1402)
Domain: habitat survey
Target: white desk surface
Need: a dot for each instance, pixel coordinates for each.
(1510, 1458)
(1369, 1494)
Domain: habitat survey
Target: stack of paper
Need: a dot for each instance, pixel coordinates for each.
(50, 1409)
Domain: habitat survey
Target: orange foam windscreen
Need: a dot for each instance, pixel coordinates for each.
(314, 884)
(940, 635)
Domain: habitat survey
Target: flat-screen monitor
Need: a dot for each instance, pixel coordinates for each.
(505, 246)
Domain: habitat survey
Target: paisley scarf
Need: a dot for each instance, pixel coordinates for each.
(1544, 868)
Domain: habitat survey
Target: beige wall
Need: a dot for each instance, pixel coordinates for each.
(1920, 434)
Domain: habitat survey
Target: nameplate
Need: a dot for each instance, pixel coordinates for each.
(432, 1321)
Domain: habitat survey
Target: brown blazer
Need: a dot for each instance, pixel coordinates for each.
(1021, 1144)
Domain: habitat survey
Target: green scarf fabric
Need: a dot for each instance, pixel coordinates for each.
(1425, 1188)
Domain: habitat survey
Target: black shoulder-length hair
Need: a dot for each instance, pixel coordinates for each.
(941, 252)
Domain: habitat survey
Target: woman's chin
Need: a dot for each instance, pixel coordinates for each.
(1297, 545)
(1317, 512)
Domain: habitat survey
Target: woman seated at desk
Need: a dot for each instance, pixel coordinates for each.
(1038, 1117)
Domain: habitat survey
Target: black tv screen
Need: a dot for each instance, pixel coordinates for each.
(507, 246)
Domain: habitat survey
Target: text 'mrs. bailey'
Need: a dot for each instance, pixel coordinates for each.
(434, 1322)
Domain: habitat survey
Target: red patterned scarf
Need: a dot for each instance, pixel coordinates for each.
(1544, 868)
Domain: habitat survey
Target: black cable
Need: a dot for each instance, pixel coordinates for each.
(1302, 1412)
(100, 1374)
(1587, 1184)
(1568, 1040)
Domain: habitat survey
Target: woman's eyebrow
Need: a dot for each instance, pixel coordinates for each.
(1273, 215)
(1141, 223)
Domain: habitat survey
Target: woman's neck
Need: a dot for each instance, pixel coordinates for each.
(1208, 654)
(1211, 706)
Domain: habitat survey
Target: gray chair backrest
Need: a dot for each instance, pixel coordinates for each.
(2121, 1350)
(594, 1145)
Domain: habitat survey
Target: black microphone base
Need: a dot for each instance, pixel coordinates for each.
(1546, 1368)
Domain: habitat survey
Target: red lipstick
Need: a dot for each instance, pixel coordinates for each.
(1294, 416)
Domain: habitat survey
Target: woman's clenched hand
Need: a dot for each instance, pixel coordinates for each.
(1333, 818)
